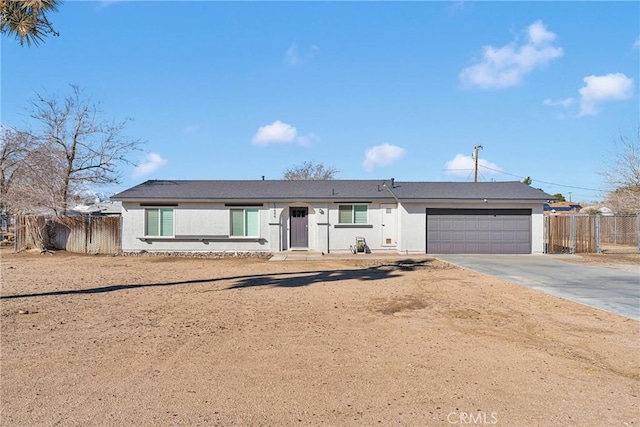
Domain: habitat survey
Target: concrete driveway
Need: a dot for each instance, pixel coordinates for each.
(613, 290)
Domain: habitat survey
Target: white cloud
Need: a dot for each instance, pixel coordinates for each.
(599, 89)
(153, 162)
(282, 133)
(382, 155)
(462, 165)
(275, 133)
(293, 57)
(636, 44)
(507, 65)
(538, 34)
(565, 103)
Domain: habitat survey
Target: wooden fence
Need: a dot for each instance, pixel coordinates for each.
(85, 234)
(592, 233)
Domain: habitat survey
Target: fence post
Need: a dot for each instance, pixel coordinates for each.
(572, 235)
(86, 234)
(638, 234)
(598, 246)
(545, 234)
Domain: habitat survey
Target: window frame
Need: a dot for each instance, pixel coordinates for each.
(245, 223)
(352, 207)
(160, 209)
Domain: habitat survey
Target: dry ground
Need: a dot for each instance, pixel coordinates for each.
(169, 341)
(627, 261)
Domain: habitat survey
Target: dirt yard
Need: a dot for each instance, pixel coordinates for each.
(179, 341)
(629, 261)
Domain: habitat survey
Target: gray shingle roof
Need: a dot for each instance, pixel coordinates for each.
(268, 190)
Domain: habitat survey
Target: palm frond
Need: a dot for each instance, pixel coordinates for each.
(27, 20)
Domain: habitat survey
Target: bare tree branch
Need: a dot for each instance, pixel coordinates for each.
(14, 148)
(622, 174)
(310, 171)
(74, 147)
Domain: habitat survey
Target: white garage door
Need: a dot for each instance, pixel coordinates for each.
(479, 231)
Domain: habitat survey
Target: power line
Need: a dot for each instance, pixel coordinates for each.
(520, 176)
(537, 180)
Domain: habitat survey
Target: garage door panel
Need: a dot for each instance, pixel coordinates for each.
(496, 236)
(497, 225)
(484, 225)
(479, 231)
(484, 236)
(483, 248)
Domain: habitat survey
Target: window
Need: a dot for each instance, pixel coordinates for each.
(245, 222)
(353, 214)
(159, 222)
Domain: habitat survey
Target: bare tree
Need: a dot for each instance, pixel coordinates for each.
(14, 148)
(622, 174)
(310, 171)
(78, 146)
(38, 183)
(624, 200)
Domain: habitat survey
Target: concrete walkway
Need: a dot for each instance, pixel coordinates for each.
(613, 290)
(314, 256)
(296, 256)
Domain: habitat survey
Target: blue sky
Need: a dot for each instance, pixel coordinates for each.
(238, 90)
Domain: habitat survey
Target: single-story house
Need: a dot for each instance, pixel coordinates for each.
(561, 208)
(330, 216)
(109, 208)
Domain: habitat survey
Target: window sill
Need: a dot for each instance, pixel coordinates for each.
(353, 226)
(145, 238)
(200, 238)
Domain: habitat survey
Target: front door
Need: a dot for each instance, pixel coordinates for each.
(299, 228)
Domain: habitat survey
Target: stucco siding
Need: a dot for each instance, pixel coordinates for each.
(413, 230)
(537, 229)
(343, 236)
(203, 227)
(206, 227)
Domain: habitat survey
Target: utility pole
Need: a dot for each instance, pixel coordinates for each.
(475, 156)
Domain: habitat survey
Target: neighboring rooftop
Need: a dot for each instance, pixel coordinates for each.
(328, 190)
(562, 207)
(100, 208)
